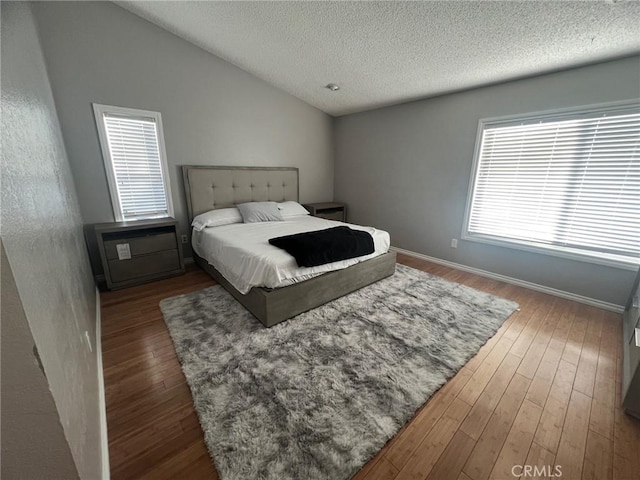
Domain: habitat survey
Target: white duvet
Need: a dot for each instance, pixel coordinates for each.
(242, 253)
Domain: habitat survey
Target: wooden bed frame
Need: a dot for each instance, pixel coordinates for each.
(209, 187)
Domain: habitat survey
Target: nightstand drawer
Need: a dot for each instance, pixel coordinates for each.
(339, 215)
(141, 244)
(145, 265)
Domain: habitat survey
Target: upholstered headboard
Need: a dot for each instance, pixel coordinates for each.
(208, 188)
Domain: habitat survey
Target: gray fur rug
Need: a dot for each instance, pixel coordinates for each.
(317, 396)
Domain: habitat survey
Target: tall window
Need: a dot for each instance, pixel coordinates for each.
(563, 183)
(135, 161)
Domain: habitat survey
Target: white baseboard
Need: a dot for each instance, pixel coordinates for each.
(515, 281)
(104, 438)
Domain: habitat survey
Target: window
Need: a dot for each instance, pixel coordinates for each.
(135, 161)
(564, 183)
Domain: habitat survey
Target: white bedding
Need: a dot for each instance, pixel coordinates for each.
(241, 251)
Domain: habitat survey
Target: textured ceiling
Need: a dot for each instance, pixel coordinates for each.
(381, 53)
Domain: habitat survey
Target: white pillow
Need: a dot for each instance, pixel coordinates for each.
(292, 209)
(216, 218)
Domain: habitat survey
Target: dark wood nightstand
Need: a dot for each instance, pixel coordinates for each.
(139, 251)
(329, 210)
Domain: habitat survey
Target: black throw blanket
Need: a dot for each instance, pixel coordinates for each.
(325, 246)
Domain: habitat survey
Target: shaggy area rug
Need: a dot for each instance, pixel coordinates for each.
(317, 396)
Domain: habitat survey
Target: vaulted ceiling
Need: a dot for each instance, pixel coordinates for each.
(381, 53)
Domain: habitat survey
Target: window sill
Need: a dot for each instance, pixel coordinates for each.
(609, 260)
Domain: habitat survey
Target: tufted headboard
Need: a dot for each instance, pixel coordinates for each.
(208, 188)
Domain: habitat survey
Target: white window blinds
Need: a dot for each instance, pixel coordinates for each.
(135, 159)
(569, 182)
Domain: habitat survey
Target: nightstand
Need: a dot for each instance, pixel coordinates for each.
(329, 210)
(631, 352)
(139, 251)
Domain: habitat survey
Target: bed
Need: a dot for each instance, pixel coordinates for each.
(280, 297)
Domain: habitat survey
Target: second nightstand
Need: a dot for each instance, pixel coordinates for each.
(329, 210)
(140, 251)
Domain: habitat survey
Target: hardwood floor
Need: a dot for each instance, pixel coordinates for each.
(543, 392)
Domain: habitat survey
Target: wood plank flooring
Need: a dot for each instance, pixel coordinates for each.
(543, 392)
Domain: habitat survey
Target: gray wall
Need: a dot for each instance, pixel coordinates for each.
(406, 169)
(33, 442)
(42, 237)
(213, 112)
